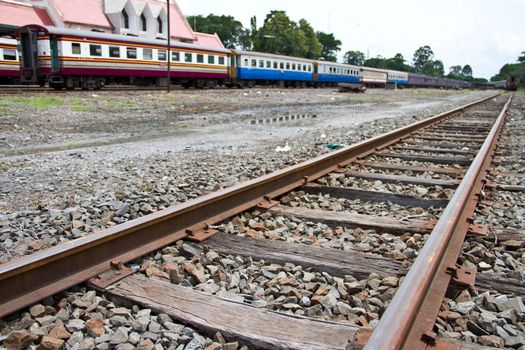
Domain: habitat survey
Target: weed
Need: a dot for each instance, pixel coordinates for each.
(71, 144)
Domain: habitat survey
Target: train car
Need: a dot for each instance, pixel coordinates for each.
(373, 76)
(253, 68)
(9, 63)
(420, 80)
(66, 58)
(512, 82)
(400, 78)
(331, 73)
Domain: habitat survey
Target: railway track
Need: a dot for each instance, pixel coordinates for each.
(440, 164)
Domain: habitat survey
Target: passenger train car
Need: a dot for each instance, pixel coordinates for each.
(70, 58)
(252, 68)
(374, 76)
(400, 78)
(9, 65)
(67, 58)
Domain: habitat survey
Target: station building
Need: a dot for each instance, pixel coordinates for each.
(139, 18)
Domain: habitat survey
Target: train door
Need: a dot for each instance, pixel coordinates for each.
(55, 57)
(232, 66)
(316, 71)
(28, 56)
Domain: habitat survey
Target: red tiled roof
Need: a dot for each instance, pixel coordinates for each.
(89, 12)
(180, 27)
(212, 40)
(18, 14)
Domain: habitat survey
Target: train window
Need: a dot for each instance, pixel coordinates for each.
(287, 65)
(188, 57)
(304, 67)
(281, 65)
(131, 52)
(275, 65)
(114, 51)
(293, 66)
(175, 56)
(161, 55)
(147, 54)
(261, 63)
(309, 68)
(211, 59)
(268, 64)
(254, 63)
(95, 50)
(221, 60)
(9, 55)
(75, 48)
(200, 58)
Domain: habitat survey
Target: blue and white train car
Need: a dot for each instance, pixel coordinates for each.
(257, 67)
(400, 78)
(331, 72)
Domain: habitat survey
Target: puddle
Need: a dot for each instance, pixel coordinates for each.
(282, 119)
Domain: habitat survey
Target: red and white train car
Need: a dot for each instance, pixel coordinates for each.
(67, 58)
(9, 65)
(374, 76)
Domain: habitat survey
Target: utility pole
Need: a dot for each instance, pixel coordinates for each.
(169, 46)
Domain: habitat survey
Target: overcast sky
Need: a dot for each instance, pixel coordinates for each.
(483, 33)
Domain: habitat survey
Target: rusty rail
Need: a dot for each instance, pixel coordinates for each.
(409, 319)
(32, 278)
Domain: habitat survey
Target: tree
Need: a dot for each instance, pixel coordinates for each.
(280, 35)
(396, 63)
(375, 62)
(422, 56)
(231, 31)
(466, 71)
(455, 70)
(433, 68)
(330, 44)
(522, 57)
(313, 47)
(354, 57)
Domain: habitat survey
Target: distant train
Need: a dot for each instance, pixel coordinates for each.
(66, 58)
(511, 84)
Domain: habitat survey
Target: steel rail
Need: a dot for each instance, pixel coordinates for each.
(34, 277)
(408, 321)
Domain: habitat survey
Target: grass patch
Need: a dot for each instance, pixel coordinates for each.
(39, 102)
(79, 108)
(71, 144)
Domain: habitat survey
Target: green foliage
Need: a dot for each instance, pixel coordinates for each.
(376, 62)
(521, 59)
(479, 80)
(396, 63)
(330, 44)
(280, 35)
(354, 57)
(467, 71)
(422, 57)
(433, 68)
(512, 69)
(231, 31)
